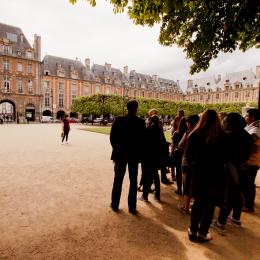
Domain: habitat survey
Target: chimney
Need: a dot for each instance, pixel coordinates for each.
(21, 37)
(257, 74)
(218, 78)
(190, 83)
(126, 70)
(178, 83)
(37, 47)
(87, 64)
(108, 67)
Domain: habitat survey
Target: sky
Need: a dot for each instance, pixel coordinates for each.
(81, 31)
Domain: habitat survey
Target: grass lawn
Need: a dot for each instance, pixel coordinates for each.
(106, 130)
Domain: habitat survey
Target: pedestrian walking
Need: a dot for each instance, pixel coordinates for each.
(65, 129)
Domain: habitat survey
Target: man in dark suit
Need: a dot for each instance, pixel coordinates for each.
(127, 139)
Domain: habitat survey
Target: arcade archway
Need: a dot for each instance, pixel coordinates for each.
(46, 113)
(60, 114)
(7, 111)
(30, 112)
(73, 114)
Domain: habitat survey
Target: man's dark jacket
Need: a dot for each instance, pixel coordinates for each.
(127, 138)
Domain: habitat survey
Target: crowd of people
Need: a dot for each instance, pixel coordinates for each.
(213, 157)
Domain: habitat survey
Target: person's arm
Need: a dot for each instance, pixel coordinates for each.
(114, 133)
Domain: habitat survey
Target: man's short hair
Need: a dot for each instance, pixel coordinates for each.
(132, 105)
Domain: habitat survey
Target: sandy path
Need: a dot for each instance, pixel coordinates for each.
(54, 204)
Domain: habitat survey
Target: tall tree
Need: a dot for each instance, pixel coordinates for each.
(201, 28)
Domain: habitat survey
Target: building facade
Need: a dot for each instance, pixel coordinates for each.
(30, 88)
(20, 93)
(234, 87)
(63, 80)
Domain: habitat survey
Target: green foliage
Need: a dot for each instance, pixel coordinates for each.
(203, 28)
(113, 104)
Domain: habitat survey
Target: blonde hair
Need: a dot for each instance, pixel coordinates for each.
(152, 112)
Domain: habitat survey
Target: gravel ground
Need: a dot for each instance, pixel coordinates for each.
(54, 204)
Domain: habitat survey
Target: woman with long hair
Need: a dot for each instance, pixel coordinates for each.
(206, 156)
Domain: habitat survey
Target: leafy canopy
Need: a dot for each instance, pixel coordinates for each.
(201, 28)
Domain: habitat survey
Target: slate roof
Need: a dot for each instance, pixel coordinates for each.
(114, 74)
(51, 63)
(14, 35)
(246, 77)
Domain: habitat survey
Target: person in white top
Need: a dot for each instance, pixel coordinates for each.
(252, 119)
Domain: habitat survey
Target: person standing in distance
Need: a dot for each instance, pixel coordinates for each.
(127, 139)
(65, 129)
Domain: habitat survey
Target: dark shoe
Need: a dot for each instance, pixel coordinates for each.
(218, 226)
(115, 209)
(202, 239)
(235, 221)
(157, 197)
(133, 211)
(192, 236)
(166, 181)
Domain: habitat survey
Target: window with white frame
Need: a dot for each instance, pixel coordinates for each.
(97, 89)
(247, 94)
(6, 49)
(107, 90)
(46, 86)
(47, 99)
(74, 91)
(19, 67)
(61, 100)
(7, 86)
(30, 86)
(19, 86)
(29, 68)
(29, 54)
(236, 94)
(86, 90)
(61, 87)
(6, 65)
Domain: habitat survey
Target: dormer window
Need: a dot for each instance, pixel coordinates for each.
(29, 54)
(227, 80)
(195, 85)
(208, 83)
(244, 78)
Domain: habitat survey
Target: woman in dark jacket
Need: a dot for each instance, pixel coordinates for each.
(206, 155)
(153, 157)
(240, 145)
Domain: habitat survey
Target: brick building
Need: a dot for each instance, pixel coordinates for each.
(19, 75)
(64, 79)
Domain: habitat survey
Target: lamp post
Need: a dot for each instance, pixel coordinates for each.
(51, 96)
(125, 96)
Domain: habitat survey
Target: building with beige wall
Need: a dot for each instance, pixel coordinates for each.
(19, 75)
(65, 79)
(235, 87)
